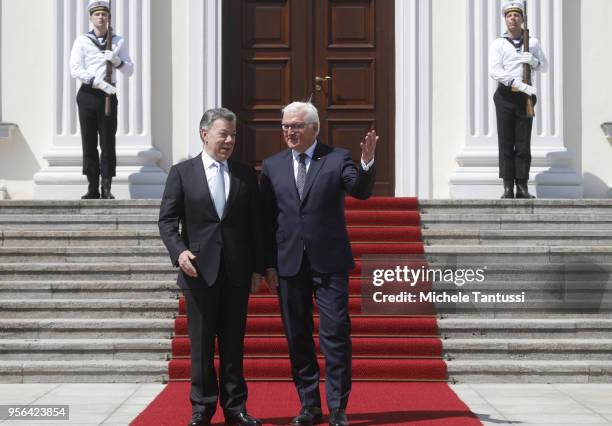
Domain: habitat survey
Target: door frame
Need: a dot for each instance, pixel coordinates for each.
(413, 160)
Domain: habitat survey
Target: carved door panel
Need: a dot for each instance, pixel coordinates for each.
(337, 52)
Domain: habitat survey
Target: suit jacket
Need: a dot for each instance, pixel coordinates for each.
(316, 224)
(236, 238)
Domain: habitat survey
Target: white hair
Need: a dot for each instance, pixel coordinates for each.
(312, 115)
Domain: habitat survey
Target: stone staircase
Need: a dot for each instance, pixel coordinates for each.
(87, 292)
(559, 253)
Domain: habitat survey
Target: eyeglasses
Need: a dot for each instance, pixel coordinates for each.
(294, 126)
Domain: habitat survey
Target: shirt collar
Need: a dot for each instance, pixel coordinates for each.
(309, 152)
(208, 161)
(506, 34)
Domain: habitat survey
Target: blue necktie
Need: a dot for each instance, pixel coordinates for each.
(218, 193)
(300, 181)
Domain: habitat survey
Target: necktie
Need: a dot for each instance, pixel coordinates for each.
(301, 174)
(218, 190)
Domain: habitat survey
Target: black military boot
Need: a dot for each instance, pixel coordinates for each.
(508, 188)
(93, 191)
(106, 188)
(521, 189)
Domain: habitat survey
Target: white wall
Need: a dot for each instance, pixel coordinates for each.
(27, 89)
(449, 52)
(596, 45)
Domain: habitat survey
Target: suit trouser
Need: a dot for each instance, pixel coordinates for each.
(513, 133)
(217, 311)
(93, 121)
(331, 294)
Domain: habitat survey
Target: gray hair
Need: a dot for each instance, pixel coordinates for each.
(312, 115)
(215, 114)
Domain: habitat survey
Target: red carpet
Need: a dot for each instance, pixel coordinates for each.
(399, 356)
(275, 403)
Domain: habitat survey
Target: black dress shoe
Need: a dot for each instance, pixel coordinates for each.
(243, 419)
(522, 191)
(508, 189)
(106, 188)
(93, 192)
(199, 419)
(337, 417)
(308, 416)
(91, 195)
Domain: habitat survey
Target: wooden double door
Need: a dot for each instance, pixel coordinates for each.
(338, 53)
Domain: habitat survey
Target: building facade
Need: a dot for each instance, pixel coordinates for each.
(416, 69)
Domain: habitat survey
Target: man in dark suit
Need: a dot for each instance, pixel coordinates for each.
(309, 253)
(219, 251)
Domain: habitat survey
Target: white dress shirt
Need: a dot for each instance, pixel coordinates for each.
(211, 170)
(309, 153)
(87, 61)
(504, 60)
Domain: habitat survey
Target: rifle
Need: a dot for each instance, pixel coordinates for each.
(109, 64)
(526, 67)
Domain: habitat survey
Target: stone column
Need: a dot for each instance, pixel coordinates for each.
(138, 176)
(204, 66)
(412, 98)
(551, 174)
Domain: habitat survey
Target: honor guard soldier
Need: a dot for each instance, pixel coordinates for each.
(91, 55)
(507, 58)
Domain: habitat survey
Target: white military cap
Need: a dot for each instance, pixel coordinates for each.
(513, 6)
(96, 5)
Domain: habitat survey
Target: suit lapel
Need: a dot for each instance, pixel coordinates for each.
(290, 181)
(233, 190)
(318, 159)
(199, 175)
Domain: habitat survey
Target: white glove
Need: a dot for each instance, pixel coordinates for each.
(112, 57)
(528, 58)
(522, 87)
(109, 89)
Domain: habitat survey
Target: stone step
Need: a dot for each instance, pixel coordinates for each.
(529, 371)
(88, 308)
(151, 254)
(88, 289)
(503, 221)
(94, 371)
(489, 237)
(472, 254)
(490, 221)
(84, 349)
(73, 328)
(522, 272)
(54, 272)
(134, 238)
(76, 207)
(68, 222)
(577, 206)
(453, 327)
(536, 206)
(90, 238)
(464, 254)
(528, 349)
